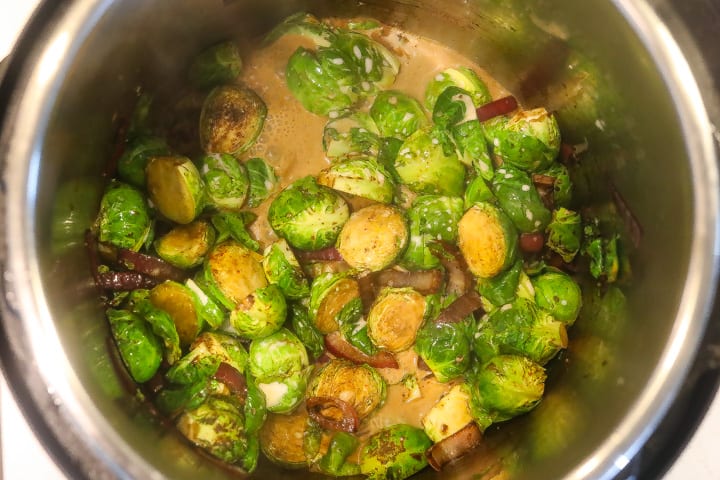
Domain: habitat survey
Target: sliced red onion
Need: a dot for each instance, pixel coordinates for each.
(502, 106)
(320, 409)
(459, 278)
(425, 282)
(455, 446)
(460, 308)
(124, 281)
(338, 346)
(233, 379)
(329, 254)
(151, 266)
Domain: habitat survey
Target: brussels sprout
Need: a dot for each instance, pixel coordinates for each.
(419, 255)
(232, 272)
(204, 357)
(487, 239)
(231, 119)
(373, 237)
(359, 385)
(226, 181)
(305, 25)
(502, 288)
(282, 439)
(309, 216)
(207, 309)
(507, 386)
(397, 114)
(263, 181)
(445, 348)
(362, 177)
(602, 251)
(139, 348)
(329, 293)
(449, 415)
(437, 216)
(395, 452)
(517, 196)
(334, 462)
(179, 302)
(73, 213)
(259, 314)
(472, 147)
(282, 269)
(185, 246)
(562, 186)
(529, 140)
(427, 163)
(235, 226)
(171, 400)
(218, 64)
(304, 329)
(354, 327)
(322, 82)
(278, 355)
(477, 191)
(461, 77)
(564, 233)
(520, 328)
(454, 106)
(255, 408)
(216, 426)
(160, 321)
(351, 135)
(284, 394)
(132, 163)
(175, 188)
(375, 65)
(559, 294)
(395, 317)
(124, 219)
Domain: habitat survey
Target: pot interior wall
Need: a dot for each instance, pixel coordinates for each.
(634, 142)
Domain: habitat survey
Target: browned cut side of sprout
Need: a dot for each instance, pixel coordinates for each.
(455, 446)
(460, 308)
(339, 347)
(333, 414)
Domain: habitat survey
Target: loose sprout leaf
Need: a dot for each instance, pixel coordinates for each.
(234, 225)
(139, 348)
(263, 181)
(354, 327)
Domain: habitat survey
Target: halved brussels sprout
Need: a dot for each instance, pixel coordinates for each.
(218, 64)
(282, 269)
(427, 163)
(397, 114)
(232, 273)
(518, 197)
(329, 293)
(305, 25)
(231, 119)
(309, 216)
(487, 239)
(204, 357)
(437, 216)
(351, 135)
(226, 181)
(358, 385)
(259, 314)
(278, 355)
(449, 415)
(461, 77)
(282, 439)
(373, 237)
(263, 181)
(185, 246)
(395, 452)
(529, 140)
(284, 394)
(162, 325)
(395, 317)
(175, 188)
(375, 65)
(131, 164)
(362, 177)
(445, 348)
(178, 301)
(139, 348)
(559, 294)
(564, 234)
(217, 426)
(124, 219)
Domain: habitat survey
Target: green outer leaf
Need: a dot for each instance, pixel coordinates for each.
(131, 164)
(160, 321)
(354, 328)
(518, 197)
(462, 77)
(263, 181)
(226, 181)
(437, 216)
(124, 219)
(139, 348)
(234, 225)
(445, 348)
(255, 408)
(472, 148)
(334, 462)
(397, 114)
(304, 329)
(282, 269)
(564, 233)
(395, 452)
(502, 288)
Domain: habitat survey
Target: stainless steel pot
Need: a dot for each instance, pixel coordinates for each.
(79, 63)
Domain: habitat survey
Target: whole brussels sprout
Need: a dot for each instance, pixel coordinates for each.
(517, 196)
(180, 303)
(124, 219)
(226, 181)
(445, 348)
(529, 140)
(397, 114)
(564, 234)
(427, 163)
(263, 181)
(395, 317)
(559, 294)
(351, 135)
(175, 187)
(374, 64)
(132, 163)
(450, 414)
(437, 216)
(231, 119)
(204, 357)
(453, 107)
(139, 348)
(278, 355)
(461, 77)
(232, 272)
(216, 65)
(284, 394)
(487, 239)
(359, 385)
(329, 293)
(362, 177)
(259, 314)
(185, 246)
(395, 452)
(419, 254)
(373, 237)
(282, 269)
(305, 25)
(309, 216)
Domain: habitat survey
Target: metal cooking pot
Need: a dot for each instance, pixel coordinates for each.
(620, 387)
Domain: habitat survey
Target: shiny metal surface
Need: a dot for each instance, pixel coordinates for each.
(85, 59)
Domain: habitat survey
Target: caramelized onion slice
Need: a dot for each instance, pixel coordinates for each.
(460, 308)
(333, 414)
(425, 282)
(124, 281)
(338, 346)
(459, 278)
(454, 446)
(151, 266)
(329, 254)
(233, 379)
(496, 108)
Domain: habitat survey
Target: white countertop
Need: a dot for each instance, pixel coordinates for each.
(24, 458)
